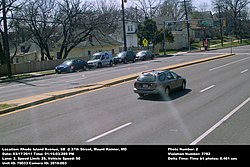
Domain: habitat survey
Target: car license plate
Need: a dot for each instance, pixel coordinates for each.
(145, 86)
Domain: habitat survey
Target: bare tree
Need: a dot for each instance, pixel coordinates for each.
(234, 10)
(6, 7)
(109, 15)
(172, 9)
(79, 18)
(76, 24)
(148, 7)
(40, 18)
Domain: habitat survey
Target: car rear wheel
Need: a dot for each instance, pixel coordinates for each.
(111, 63)
(84, 68)
(183, 86)
(125, 61)
(167, 91)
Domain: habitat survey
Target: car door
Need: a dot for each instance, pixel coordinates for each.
(81, 64)
(147, 55)
(178, 80)
(106, 60)
(75, 65)
(170, 80)
(128, 56)
(103, 59)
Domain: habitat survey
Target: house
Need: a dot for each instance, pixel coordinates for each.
(30, 51)
(178, 30)
(202, 24)
(96, 42)
(131, 36)
(26, 52)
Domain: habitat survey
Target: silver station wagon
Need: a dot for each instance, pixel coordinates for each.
(158, 82)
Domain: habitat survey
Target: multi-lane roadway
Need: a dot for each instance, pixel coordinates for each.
(34, 86)
(214, 109)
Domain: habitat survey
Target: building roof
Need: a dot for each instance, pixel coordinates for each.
(99, 39)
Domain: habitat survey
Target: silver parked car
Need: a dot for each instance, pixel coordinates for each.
(101, 59)
(144, 55)
(158, 82)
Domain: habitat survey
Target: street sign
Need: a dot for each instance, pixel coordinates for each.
(145, 42)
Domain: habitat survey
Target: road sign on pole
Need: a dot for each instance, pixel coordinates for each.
(145, 42)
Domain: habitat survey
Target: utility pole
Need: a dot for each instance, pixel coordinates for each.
(221, 28)
(188, 32)
(164, 38)
(124, 27)
(240, 32)
(6, 40)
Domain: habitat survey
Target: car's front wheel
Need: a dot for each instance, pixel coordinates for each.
(141, 94)
(99, 65)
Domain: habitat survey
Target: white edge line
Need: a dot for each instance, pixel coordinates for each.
(108, 132)
(220, 122)
(228, 64)
(203, 90)
(244, 71)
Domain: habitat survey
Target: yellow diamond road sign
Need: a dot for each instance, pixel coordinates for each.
(145, 42)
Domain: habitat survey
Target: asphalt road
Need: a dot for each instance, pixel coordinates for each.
(116, 115)
(35, 86)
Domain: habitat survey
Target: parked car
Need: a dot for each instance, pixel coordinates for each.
(145, 54)
(124, 57)
(101, 59)
(71, 66)
(158, 82)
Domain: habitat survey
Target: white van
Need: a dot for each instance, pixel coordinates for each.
(101, 59)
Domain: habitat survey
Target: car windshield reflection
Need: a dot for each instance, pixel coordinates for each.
(68, 62)
(120, 54)
(96, 57)
(146, 78)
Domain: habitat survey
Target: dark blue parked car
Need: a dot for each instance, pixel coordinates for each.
(72, 66)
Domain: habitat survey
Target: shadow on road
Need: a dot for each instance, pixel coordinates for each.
(172, 96)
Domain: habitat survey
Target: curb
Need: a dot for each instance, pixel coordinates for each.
(43, 98)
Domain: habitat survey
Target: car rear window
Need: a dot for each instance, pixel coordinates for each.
(146, 78)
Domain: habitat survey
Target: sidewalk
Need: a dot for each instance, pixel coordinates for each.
(46, 97)
(26, 75)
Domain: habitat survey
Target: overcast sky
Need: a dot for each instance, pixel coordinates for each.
(198, 2)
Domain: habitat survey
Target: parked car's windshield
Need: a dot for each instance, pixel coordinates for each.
(146, 78)
(68, 62)
(121, 54)
(142, 52)
(96, 56)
